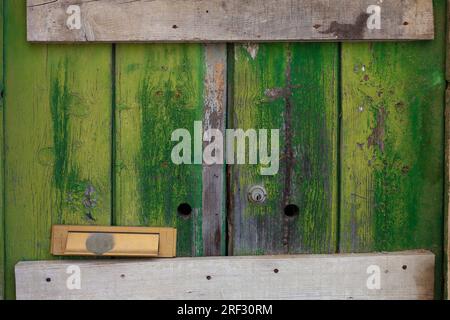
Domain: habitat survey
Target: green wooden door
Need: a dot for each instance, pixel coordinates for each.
(87, 140)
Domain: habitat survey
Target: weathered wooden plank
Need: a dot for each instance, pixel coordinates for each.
(233, 20)
(214, 179)
(406, 275)
(160, 88)
(447, 162)
(293, 88)
(58, 139)
(2, 210)
(392, 145)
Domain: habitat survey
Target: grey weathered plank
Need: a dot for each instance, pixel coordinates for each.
(213, 195)
(232, 20)
(405, 275)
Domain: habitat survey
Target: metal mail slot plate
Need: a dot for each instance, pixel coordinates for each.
(113, 241)
(110, 244)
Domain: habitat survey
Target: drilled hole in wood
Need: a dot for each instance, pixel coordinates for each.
(122, 276)
(405, 267)
(276, 270)
(291, 210)
(175, 26)
(184, 210)
(405, 23)
(208, 277)
(48, 280)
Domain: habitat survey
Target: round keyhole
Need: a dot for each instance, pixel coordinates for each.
(257, 194)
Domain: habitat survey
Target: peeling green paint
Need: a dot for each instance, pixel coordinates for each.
(58, 133)
(162, 94)
(293, 88)
(392, 145)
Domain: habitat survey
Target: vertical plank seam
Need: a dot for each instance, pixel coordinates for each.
(288, 150)
(3, 162)
(229, 212)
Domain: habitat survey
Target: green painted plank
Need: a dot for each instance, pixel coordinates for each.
(2, 211)
(58, 139)
(159, 89)
(447, 167)
(293, 88)
(392, 145)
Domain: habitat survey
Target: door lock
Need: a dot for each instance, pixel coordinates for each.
(257, 194)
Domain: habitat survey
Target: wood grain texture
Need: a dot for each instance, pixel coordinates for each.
(407, 275)
(232, 21)
(2, 166)
(214, 178)
(392, 145)
(160, 88)
(293, 88)
(58, 139)
(447, 163)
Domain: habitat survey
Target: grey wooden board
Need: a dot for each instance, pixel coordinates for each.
(231, 20)
(213, 193)
(404, 275)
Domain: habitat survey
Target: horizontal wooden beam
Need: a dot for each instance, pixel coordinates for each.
(228, 21)
(404, 275)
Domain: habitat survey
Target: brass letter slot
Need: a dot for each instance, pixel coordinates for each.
(113, 241)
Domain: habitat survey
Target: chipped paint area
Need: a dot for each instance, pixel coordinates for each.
(276, 93)
(376, 138)
(252, 49)
(215, 87)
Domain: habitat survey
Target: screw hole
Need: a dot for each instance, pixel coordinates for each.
(184, 210)
(48, 280)
(276, 270)
(405, 23)
(208, 277)
(175, 26)
(207, 11)
(291, 210)
(122, 276)
(405, 267)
